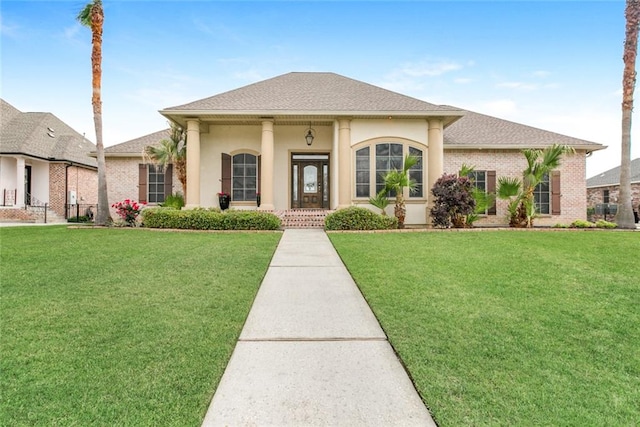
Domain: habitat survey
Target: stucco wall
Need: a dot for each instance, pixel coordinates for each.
(7, 180)
(236, 139)
(511, 163)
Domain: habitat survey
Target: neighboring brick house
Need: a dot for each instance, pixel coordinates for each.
(43, 161)
(322, 141)
(130, 176)
(605, 188)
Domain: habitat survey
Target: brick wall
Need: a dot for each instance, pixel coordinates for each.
(12, 214)
(122, 179)
(85, 183)
(596, 196)
(82, 180)
(57, 187)
(511, 163)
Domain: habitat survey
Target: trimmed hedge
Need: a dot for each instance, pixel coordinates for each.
(356, 218)
(202, 219)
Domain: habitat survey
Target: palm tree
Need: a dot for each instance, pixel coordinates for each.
(540, 163)
(92, 16)
(396, 181)
(171, 151)
(624, 217)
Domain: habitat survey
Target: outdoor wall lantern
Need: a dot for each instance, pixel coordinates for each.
(311, 134)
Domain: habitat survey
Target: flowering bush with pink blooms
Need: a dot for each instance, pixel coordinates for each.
(128, 210)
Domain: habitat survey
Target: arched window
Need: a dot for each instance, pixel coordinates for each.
(244, 178)
(370, 170)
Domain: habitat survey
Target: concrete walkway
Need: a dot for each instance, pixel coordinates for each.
(311, 352)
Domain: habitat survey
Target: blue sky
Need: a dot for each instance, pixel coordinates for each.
(556, 65)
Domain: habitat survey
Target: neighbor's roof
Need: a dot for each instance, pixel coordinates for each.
(476, 130)
(136, 146)
(612, 176)
(311, 94)
(43, 136)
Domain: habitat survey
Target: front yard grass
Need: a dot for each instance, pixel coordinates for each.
(121, 327)
(507, 327)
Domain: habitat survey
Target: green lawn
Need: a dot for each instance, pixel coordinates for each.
(120, 327)
(510, 328)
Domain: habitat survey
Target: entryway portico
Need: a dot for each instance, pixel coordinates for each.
(261, 130)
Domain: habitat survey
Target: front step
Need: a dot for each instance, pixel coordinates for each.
(303, 218)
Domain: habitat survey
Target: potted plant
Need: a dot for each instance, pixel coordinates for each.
(224, 199)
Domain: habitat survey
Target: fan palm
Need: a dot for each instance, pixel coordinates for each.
(171, 151)
(520, 193)
(396, 181)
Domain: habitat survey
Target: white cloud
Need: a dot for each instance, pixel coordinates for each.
(70, 32)
(9, 30)
(463, 80)
(499, 108)
(429, 69)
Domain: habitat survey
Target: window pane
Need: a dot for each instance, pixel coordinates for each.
(396, 150)
(362, 172)
(244, 177)
(382, 150)
(416, 173)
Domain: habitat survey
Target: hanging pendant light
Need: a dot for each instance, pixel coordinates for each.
(310, 136)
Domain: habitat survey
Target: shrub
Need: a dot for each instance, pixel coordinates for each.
(357, 218)
(128, 210)
(580, 223)
(78, 219)
(203, 219)
(560, 225)
(601, 223)
(174, 201)
(453, 201)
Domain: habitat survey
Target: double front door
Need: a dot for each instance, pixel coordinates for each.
(310, 181)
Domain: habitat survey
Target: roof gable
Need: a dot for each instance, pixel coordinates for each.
(310, 92)
(612, 176)
(136, 146)
(42, 135)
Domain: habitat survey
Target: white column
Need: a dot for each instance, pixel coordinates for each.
(435, 159)
(20, 181)
(193, 163)
(344, 163)
(267, 165)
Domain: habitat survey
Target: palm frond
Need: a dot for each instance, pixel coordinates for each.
(508, 187)
(465, 170)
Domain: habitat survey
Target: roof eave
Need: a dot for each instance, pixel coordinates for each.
(338, 113)
(586, 147)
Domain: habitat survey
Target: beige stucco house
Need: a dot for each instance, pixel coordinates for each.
(322, 141)
(43, 161)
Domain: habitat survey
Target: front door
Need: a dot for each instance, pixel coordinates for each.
(310, 181)
(27, 185)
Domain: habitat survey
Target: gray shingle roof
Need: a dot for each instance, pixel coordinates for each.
(42, 135)
(136, 146)
(612, 176)
(310, 92)
(475, 129)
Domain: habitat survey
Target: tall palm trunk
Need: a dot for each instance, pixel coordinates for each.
(624, 217)
(92, 16)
